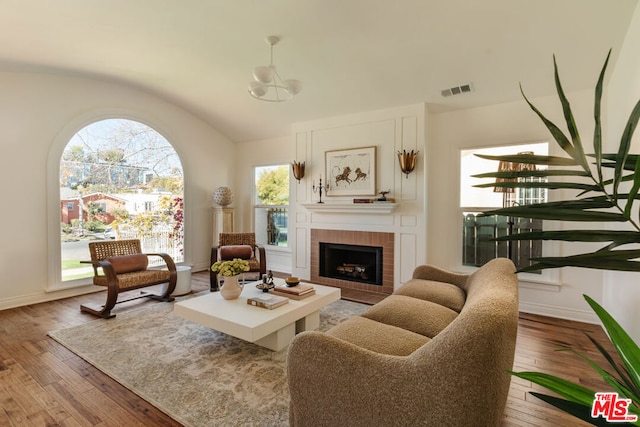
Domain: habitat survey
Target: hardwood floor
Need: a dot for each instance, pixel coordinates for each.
(44, 384)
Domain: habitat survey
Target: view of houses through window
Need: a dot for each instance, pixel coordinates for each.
(272, 204)
(119, 179)
(478, 231)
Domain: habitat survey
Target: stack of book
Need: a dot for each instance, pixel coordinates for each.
(267, 301)
(297, 292)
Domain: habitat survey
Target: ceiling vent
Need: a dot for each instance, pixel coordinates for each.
(457, 90)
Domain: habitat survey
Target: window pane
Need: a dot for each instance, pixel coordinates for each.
(272, 225)
(470, 165)
(272, 185)
(272, 200)
(119, 179)
(478, 231)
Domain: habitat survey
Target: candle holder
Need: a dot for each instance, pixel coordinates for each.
(319, 189)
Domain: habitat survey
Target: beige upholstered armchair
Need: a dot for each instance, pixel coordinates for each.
(239, 245)
(121, 266)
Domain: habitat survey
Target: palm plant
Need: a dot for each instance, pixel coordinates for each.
(599, 201)
(598, 180)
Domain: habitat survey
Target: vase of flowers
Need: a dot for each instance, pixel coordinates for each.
(231, 270)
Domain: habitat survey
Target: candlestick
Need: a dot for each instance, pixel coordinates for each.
(320, 188)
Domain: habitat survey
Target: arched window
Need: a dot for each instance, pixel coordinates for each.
(119, 179)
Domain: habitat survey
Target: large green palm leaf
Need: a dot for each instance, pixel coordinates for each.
(623, 376)
(601, 202)
(605, 204)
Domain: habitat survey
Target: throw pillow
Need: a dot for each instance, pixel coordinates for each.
(128, 263)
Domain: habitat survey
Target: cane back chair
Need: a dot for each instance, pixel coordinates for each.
(239, 245)
(121, 266)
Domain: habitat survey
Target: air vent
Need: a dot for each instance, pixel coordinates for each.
(457, 90)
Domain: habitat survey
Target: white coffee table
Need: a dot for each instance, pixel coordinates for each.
(273, 329)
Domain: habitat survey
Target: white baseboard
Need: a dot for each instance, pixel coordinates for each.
(559, 312)
(201, 266)
(36, 298)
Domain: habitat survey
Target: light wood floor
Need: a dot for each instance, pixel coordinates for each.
(44, 384)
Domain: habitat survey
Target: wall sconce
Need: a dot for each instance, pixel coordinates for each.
(407, 161)
(298, 170)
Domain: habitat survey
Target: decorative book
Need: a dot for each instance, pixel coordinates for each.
(276, 291)
(267, 301)
(296, 290)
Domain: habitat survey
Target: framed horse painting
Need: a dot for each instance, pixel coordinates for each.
(351, 172)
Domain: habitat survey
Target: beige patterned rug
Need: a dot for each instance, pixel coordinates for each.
(198, 376)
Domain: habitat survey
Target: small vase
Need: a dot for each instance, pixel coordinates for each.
(231, 289)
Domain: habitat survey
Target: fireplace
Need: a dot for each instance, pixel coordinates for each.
(354, 251)
(355, 263)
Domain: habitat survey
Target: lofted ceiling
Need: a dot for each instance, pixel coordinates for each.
(351, 55)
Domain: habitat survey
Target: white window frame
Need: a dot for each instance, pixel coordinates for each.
(546, 277)
(257, 206)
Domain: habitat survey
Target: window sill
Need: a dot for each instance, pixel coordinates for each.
(547, 281)
(273, 248)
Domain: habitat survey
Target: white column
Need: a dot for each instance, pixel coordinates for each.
(222, 222)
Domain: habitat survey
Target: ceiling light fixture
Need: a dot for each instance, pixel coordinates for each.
(268, 85)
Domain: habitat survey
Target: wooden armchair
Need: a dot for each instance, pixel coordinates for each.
(121, 266)
(239, 245)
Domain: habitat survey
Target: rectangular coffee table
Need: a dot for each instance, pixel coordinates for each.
(273, 329)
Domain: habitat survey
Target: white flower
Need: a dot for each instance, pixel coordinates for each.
(230, 268)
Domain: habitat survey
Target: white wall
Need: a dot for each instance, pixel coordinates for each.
(622, 292)
(250, 154)
(38, 115)
(503, 124)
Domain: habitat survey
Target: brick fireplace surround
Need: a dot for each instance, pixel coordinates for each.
(348, 237)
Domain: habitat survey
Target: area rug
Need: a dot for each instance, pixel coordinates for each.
(197, 376)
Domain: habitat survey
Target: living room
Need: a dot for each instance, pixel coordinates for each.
(45, 103)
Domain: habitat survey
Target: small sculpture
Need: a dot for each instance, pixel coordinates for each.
(223, 196)
(270, 278)
(384, 195)
(267, 282)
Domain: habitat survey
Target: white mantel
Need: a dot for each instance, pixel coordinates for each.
(351, 208)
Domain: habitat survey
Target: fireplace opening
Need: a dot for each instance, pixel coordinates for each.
(354, 263)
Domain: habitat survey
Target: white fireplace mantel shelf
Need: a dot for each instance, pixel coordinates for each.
(351, 208)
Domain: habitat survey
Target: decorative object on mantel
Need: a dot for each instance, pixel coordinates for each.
(223, 196)
(383, 196)
(374, 200)
(407, 161)
(298, 170)
(320, 188)
(351, 172)
(268, 85)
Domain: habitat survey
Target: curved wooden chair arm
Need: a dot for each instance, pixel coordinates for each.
(262, 258)
(171, 265)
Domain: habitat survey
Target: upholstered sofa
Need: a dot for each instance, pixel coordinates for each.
(435, 352)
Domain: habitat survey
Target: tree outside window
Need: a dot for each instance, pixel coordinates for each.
(119, 178)
(272, 204)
